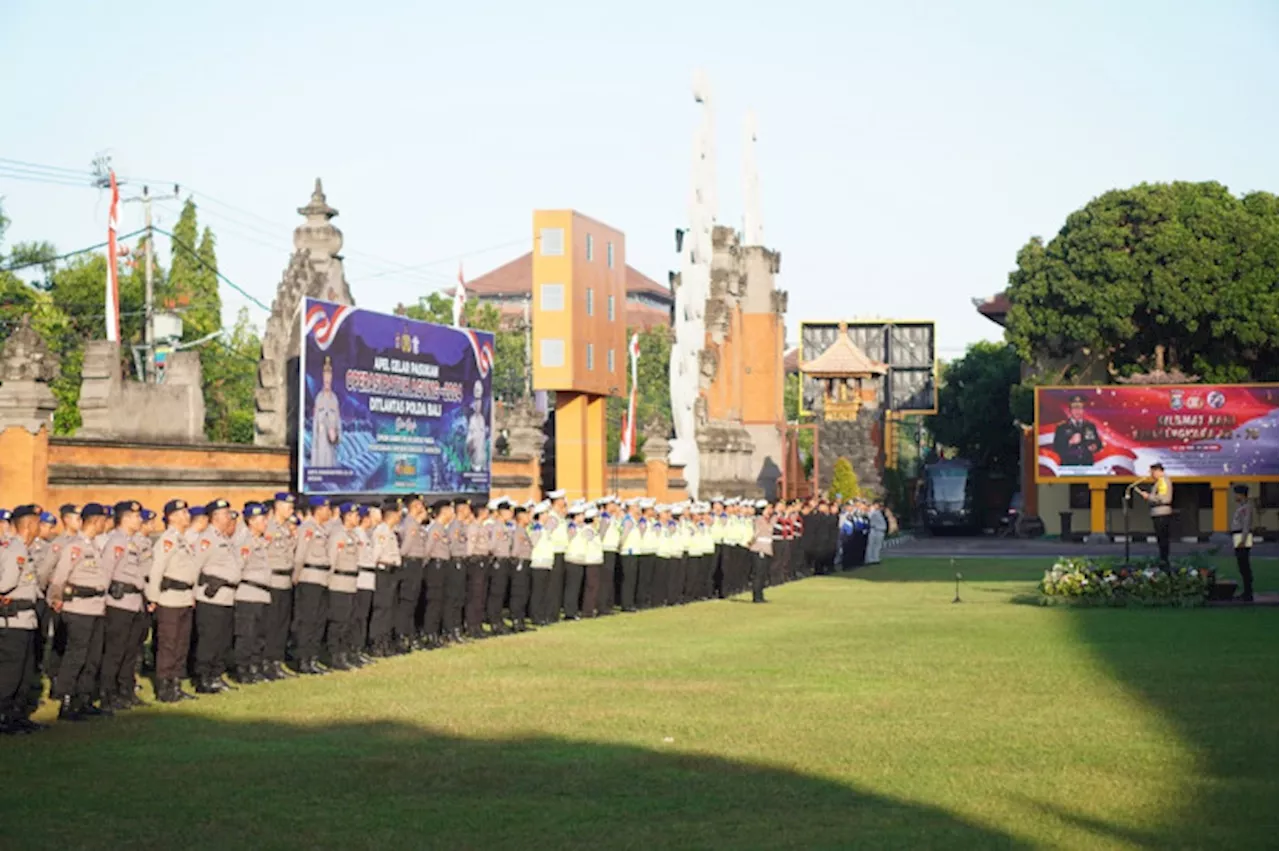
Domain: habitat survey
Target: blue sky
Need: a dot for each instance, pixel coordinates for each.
(907, 150)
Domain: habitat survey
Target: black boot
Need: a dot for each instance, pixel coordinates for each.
(269, 672)
(458, 637)
(102, 710)
(176, 689)
(165, 691)
(69, 710)
(133, 698)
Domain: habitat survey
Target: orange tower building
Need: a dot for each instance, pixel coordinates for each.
(579, 338)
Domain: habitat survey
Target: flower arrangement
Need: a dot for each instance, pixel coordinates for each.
(1145, 582)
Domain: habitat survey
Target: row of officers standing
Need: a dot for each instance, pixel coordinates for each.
(290, 587)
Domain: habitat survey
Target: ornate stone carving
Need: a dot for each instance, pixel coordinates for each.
(315, 270)
(779, 302)
(26, 367)
(656, 445)
(25, 356)
(522, 423)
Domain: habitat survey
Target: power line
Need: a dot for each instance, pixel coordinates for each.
(47, 260)
(212, 269)
(38, 166)
(463, 256)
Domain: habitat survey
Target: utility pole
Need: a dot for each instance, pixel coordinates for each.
(149, 330)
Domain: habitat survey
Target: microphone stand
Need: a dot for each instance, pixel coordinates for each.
(1128, 503)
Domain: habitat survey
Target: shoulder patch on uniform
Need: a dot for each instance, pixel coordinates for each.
(168, 545)
(74, 552)
(21, 560)
(119, 551)
(244, 552)
(307, 534)
(204, 544)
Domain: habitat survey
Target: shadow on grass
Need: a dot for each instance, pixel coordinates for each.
(161, 778)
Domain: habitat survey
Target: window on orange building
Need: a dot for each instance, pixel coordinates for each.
(609, 254)
(610, 359)
(552, 353)
(591, 357)
(591, 302)
(591, 245)
(552, 297)
(552, 242)
(611, 307)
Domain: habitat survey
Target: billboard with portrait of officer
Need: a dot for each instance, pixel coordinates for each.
(390, 405)
(1194, 430)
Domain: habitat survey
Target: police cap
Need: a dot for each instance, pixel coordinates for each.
(173, 506)
(93, 509)
(21, 511)
(69, 509)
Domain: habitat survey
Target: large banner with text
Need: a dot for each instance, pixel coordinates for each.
(390, 405)
(1198, 430)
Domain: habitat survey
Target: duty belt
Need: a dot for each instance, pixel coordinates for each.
(368, 569)
(287, 571)
(209, 579)
(257, 585)
(347, 573)
(74, 592)
(13, 607)
(167, 584)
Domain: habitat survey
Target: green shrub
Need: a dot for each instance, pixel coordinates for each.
(844, 482)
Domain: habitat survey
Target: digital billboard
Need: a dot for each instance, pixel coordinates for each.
(390, 405)
(1194, 430)
(907, 348)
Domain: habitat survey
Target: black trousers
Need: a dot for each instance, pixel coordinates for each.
(360, 619)
(386, 595)
(644, 580)
(608, 583)
(499, 580)
(17, 671)
(572, 588)
(410, 591)
(630, 575)
(278, 619)
(82, 658)
(759, 571)
(477, 591)
(173, 641)
(215, 627)
(1246, 570)
(123, 634)
(433, 620)
(1164, 527)
(676, 570)
(521, 586)
(590, 588)
(541, 582)
(342, 605)
(692, 577)
(250, 633)
(455, 593)
(658, 589)
(555, 588)
(310, 611)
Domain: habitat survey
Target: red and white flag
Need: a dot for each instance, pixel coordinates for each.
(113, 282)
(627, 445)
(459, 299)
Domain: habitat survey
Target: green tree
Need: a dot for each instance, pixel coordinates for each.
(229, 366)
(844, 482)
(509, 362)
(653, 389)
(1187, 266)
(974, 407)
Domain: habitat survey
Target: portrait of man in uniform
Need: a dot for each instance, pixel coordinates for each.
(326, 422)
(1076, 440)
(478, 432)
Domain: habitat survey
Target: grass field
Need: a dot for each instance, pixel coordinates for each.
(864, 710)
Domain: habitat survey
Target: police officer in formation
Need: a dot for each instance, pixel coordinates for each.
(236, 596)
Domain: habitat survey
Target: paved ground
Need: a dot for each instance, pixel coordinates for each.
(987, 546)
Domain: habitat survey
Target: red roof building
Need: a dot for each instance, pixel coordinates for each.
(509, 288)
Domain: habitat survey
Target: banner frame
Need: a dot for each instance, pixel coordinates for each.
(1218, 481)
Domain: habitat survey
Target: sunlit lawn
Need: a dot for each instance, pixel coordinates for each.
(865, 710)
